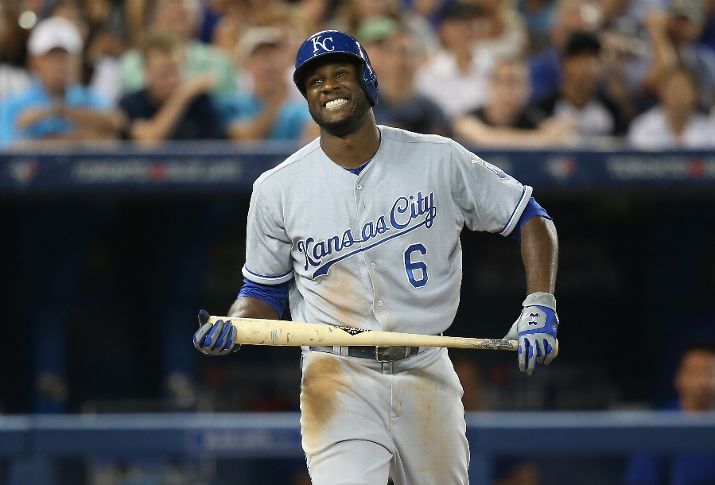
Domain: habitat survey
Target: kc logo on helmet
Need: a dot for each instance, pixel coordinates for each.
(322, 44)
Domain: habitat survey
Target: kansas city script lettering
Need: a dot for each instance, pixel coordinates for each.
(404, 213)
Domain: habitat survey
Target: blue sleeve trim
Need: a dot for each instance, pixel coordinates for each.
(275, 295)
(525, 192)
(532, 209)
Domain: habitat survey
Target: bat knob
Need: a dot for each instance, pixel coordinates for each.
(203, 316)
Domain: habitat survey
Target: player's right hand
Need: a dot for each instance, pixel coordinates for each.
(215, 339)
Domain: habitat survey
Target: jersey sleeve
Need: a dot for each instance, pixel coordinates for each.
(268, 258)
(486, 197)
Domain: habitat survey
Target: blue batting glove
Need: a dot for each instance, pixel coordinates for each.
(536, 331)
(215, 339)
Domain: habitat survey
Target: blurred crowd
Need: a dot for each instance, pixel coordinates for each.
(491, 73)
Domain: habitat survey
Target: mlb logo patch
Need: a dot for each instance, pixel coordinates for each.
(493, 168)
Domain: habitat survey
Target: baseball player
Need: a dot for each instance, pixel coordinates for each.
(361, 227)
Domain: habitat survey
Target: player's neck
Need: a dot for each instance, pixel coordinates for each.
(353, 149)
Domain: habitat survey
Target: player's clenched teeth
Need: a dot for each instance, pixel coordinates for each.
(336, 103)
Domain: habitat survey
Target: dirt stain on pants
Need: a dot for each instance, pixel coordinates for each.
(322, 383)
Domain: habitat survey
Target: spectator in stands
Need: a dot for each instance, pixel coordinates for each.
(170, 107)
(267, 112)
(285, 19)
(675, 121)
(695, 386)
(595, 117)
(54, 106)
(392, 51)
(506, 120)
(673, 35)
(545, 67)
(454, 77)
(181, 18)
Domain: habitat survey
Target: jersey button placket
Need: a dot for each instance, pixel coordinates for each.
(360, 203)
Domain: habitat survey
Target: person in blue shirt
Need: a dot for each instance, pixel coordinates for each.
(695, 385)
(266, 110)
(54, 106)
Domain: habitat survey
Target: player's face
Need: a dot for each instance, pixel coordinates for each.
(335, 97)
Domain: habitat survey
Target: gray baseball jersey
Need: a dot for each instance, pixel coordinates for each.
(378, 250)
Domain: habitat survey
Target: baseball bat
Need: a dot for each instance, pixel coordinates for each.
(287, 333)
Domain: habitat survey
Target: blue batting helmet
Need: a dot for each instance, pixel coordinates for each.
(334, 42)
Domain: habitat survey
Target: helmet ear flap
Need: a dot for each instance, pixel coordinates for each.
(369, 79)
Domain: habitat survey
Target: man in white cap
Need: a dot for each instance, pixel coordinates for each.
(55, 106)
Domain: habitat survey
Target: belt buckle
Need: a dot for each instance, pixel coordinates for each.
(391, 354)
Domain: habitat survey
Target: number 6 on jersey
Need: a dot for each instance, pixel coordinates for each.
(419, 267)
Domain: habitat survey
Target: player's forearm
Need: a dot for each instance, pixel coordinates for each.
(247, 307)
(539, 253)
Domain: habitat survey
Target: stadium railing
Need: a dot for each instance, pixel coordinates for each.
(34, 441)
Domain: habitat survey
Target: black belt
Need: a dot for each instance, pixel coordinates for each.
(380, 354)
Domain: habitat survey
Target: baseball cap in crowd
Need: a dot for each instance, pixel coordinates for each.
(54, 33)
(257, 37)
(689, 9)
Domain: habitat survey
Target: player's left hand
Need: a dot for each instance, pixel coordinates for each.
(215, 339)
(536, 331)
